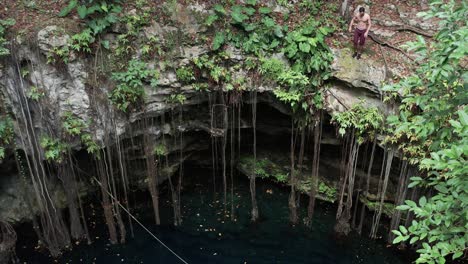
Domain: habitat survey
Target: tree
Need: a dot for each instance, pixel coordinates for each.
(431, 130)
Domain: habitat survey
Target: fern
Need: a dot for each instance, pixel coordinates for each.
(218, 41)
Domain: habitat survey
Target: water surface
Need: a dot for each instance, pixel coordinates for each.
(209, 236)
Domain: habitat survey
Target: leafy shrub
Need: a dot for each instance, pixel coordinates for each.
(176, 99)
(35, 93)
(6, 134)
(72, 125)
(256, 32)
(54, 149)
(91, 146)
(99, 14)
(160, 150)
(129, 87)
(365, 121)
(185, 74)
(309, 53)
(3, 42)
(271, 68)
(83, 40)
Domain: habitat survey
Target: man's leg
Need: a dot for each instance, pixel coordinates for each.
(356, 43)
(360, 49)
(362, 41)
(356, 50)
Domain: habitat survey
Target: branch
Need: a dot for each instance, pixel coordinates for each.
(415, 30)
(386, 44)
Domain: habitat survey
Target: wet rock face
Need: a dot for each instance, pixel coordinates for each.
(14, 190)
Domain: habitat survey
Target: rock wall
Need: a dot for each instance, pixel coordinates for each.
(71, 87)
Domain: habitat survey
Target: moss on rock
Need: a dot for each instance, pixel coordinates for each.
(278, 170)
(387, 208)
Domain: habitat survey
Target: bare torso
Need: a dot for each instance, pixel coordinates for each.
(362, 21)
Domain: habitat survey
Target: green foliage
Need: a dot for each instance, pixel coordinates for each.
(366, 122)
(24, 72)
(281, 177)
(218, 40)
(6, 130)
(214, 67)
(294, 85)
(200, 86)
(4, 24)
(387, 208)
(58, 54)
(129, 87)
(176, 99)
(6, 134)
(54, 149)
(82, 41)
(254, 30)
(327, 191)
(160, 150)
(271, 68)
(185, 74)
(309, 53)
(135, 22)
(431, 129)
(91, 146)
(264, 168)
(72, 125)
(152, 47)
(312, 6)
(35, 93)
(99, 14)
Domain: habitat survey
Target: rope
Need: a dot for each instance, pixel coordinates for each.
(144, 227)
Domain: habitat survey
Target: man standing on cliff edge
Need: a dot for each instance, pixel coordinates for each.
(363, 24)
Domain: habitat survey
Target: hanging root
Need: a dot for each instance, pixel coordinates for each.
(315, 167)
(253, 195)
(381, 194)
(293, 217)
(343, 214)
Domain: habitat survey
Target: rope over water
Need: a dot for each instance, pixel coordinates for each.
(144, 227)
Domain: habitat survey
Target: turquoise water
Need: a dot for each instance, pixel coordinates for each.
(208, 236)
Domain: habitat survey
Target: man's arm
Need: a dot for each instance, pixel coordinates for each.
(351, 23)
(368, 28)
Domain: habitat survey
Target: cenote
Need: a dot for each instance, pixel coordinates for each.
(207, 235)
(232, 131)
